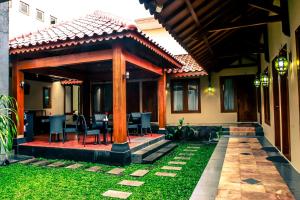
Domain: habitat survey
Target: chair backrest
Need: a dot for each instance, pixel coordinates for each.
(98, 120)
(136, 117)
(146, 120)
(81, 124)
(57, 123)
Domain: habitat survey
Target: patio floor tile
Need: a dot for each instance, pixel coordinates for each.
(182, 158)
(139, 173)
(131, 183)
(116, 171)
(56, 164)
(116, 194)
(176, 163)
(171, 168)
(74, 166)
(165, 174)
(93, 169)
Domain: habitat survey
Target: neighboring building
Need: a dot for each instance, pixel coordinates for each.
(28, 16)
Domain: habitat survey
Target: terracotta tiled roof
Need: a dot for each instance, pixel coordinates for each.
(71, 82)
(190, 66)
(98, 26)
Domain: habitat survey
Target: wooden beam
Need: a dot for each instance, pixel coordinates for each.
(285, 17)
(253, 23)
(18, 94)
(265, 7)
(161, 93)
(143, 64)
(64, 60)
(119, 96)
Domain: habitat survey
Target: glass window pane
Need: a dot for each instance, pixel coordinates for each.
(68, 96)
(76, 98)
(107, 92)
(97, 100)
(228, 95)
(178, 96)
(193, 96)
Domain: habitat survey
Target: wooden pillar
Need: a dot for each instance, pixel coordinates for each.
(86, 99)
(119, 96)
(18, 93)
(161, 93)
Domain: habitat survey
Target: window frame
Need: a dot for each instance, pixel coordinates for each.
(52, 17)
(72, 100)
(185, 83)
(49, 105)
(43, 15)
(222, 80)
(20, 8)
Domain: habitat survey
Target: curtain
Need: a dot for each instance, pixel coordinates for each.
(193, 96)
(228, 95)
(178, 96)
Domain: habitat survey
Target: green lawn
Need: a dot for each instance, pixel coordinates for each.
(19, 181)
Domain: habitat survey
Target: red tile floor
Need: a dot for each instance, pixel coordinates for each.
(72, 143)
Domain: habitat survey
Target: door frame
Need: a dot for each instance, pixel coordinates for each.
(276, 106)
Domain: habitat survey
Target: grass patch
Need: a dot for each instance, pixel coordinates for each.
(29, 182)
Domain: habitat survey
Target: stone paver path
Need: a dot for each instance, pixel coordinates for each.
(131, 183)
(172, 168)
(116, 171)
(28, 161)
(193, 147)
(176, 163)
(139, 173)
(190, 150)
(93, 169)
(247, 174)
(116, 194)
(74, 166)
(186, 154)
(165, 174)
(56, 164)
(182, 158)
(40, 163)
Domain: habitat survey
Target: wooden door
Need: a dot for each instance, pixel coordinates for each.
(150, 99)
(246, 99)
(285, 121)
(276, 107)
(133, 97)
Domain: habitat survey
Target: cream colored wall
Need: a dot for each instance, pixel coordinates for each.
(276, 40)
(34, 101)
(210, 103)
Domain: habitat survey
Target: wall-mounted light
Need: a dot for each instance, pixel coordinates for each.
(264, 80)
(159, 6)
(256, 82)
(22, 83)
(281, 64)
(210, 90)
(126, 75)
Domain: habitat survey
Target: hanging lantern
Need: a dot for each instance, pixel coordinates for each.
(264, 80)
(256, 82)
(281, 64)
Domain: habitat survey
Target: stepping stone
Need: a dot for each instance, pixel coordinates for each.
(116, 194)
(193, 147)
(131, 183)
(40, 163)
(93, 169)
(190, 150)
(182, 158)
(116, 171)
(171, 168)
(56, 164)
(186, 154)
(139, 173)
(74, 166)
(28, 161)
(176, 163)
(165, 174)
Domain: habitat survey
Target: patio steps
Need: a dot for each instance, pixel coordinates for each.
(152, 152)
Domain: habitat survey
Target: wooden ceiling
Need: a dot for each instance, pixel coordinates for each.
(218, 33)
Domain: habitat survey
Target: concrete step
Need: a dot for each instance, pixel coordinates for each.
(138, 156)
(158, 154)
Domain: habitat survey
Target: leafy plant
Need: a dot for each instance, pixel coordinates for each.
(8, 122)
(183, 131)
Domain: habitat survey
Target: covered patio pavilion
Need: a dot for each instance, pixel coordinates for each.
(96, 48)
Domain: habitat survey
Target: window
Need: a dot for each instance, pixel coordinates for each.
(40, 15)
(185, 95)
(24, 8)
(72, 98)
(53, 20)
(228, 94)
(46, 97)
(102, 98)
(267, 105)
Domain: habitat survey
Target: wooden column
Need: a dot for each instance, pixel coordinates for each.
(161, 93)
(18, 93)
(119, 96)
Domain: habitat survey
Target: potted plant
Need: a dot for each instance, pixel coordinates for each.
(8, 127)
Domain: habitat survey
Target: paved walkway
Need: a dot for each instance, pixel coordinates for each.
(247, 174)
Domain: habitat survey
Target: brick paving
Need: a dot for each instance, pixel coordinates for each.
(247, 174)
